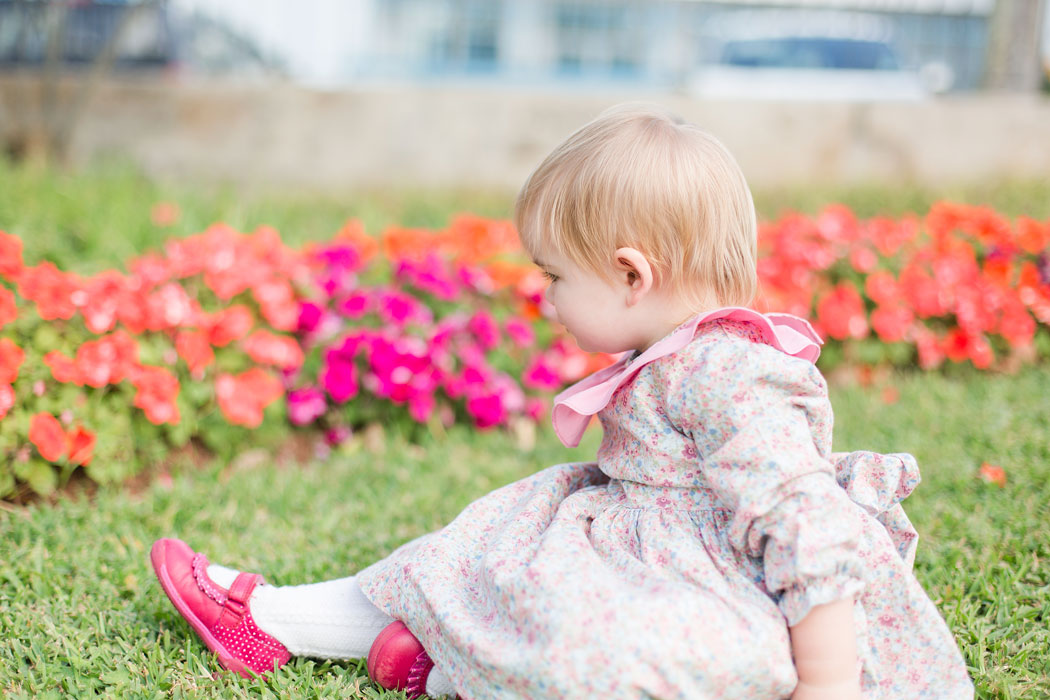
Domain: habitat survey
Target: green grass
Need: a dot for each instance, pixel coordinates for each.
(88, 221)
(80, 612)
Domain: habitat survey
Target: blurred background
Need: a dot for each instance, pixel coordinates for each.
(331, 94)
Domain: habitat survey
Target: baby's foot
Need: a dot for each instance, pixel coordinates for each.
(218, 613)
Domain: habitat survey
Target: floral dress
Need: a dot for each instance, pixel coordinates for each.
(715, 516)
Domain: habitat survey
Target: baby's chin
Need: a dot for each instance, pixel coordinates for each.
(607, 347)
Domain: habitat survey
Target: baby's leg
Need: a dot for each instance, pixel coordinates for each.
(328, 620)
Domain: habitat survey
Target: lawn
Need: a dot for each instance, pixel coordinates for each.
(81, 614)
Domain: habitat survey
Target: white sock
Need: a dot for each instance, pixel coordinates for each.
(438, 686)
(328, 620)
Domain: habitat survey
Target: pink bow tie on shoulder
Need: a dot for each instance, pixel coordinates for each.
(574, 407)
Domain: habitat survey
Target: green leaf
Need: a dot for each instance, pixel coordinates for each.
(7, 481)
(41, 477)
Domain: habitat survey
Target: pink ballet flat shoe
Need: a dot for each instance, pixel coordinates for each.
(221, 617)
(397, 661)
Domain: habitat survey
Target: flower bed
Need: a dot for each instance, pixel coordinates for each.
(961, 284)
(202, 340)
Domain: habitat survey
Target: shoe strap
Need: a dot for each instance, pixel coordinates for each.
(236, 605)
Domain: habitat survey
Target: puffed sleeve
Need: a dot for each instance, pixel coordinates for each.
(761, 423)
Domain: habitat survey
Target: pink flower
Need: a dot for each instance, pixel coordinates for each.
(486, 409)
(485, 329)
(339, 379)
(475, 280)
(309, 316)
(306, 405)
(535, 408)
(400, 309)
(337, 435)
(430, 275)
(356, 304)
(345, 258)
(520, 332)
(401, 369)
(539, 374)
(421, 406)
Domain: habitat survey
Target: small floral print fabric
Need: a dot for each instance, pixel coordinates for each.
(715, 517)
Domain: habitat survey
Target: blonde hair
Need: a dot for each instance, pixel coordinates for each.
(641, 177)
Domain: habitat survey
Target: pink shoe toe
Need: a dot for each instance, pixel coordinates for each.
(397, 661)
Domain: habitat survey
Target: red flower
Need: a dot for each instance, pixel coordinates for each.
(46, 433)
(931, 354)
(277, 303)
(151, 270)
(881, 287)
(157, 391)
(8, 309)
(106, 360)
(960, 345)
(63, 369)
(104, 295)
(890, 235)
(170, 307)
(243, 397)
(7, 399)
(229, 325)
(10, 255)
(11, 357)
(193, 347)
(921, 291)
(266, 348)
(80, 445)
(51, 289)
(993, 474)
(1016, 324)
(164, 214)
(863, 259)
(1033, 236)
(841, 313)
(891, 323)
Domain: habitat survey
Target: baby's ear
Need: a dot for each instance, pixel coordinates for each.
(634, 272)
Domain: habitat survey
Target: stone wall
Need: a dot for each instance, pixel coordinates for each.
(288, 135)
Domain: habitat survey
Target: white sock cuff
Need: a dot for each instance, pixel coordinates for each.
(438, 685)
(221, 575)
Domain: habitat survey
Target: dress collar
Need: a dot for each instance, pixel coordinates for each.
(574, 407)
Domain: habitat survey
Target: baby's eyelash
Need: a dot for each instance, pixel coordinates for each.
(550, 276)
